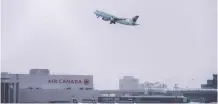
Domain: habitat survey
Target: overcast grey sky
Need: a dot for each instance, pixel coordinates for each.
(175, 43)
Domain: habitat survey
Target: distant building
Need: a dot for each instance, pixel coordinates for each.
(131, 83)
(128, 83)
(141, 87)
(211, 84)
(149, 85)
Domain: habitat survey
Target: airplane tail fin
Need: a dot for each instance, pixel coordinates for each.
(134, 19)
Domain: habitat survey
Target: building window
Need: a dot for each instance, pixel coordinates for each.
(30, 88)
(68, 88)
(88, 88)
(38, 88)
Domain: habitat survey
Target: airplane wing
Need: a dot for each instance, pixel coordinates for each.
(117, 18)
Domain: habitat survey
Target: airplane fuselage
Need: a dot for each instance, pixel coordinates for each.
(105, 16)
(109, 17)
(126, 22)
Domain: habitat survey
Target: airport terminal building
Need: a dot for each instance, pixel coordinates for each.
(40, 86)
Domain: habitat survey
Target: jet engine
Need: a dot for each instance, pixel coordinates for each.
(106, 19)
(112, 20)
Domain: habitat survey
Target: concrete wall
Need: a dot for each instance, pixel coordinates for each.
(45, 96)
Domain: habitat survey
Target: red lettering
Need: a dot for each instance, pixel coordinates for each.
(55, 81)
(76, 81)
(72, 81)
(52, 81)
(68, 81)
(60, 81)
(49, 81)
(65, 81)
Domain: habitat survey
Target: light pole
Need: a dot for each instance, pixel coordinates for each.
(16, 96)
(3, 92)
(74, 100)
(10, 92)
(5, 81)
(93, 100)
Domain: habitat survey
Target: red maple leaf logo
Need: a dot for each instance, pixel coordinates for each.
(86, 81)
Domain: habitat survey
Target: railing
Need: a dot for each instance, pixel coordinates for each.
(192, 89)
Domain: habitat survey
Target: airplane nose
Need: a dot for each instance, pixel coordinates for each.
(95, 12)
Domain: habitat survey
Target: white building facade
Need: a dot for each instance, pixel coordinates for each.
(40, 86)
(128, 83)
(41, 79)
(131, 83)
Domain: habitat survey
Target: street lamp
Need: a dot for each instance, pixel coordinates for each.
(10, 89)
(93, 100)
(74, 100)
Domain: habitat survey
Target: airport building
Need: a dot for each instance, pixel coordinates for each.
(132, 83)
(9, 89)
(211, 83)
(40, 86)
(128, 83)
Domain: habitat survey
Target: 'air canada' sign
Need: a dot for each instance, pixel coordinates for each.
(67, 81)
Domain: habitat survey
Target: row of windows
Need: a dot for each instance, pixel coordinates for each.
(65, 88)
(34, 88)
(85, 88)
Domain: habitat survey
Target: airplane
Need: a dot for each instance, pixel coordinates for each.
(113, 19)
